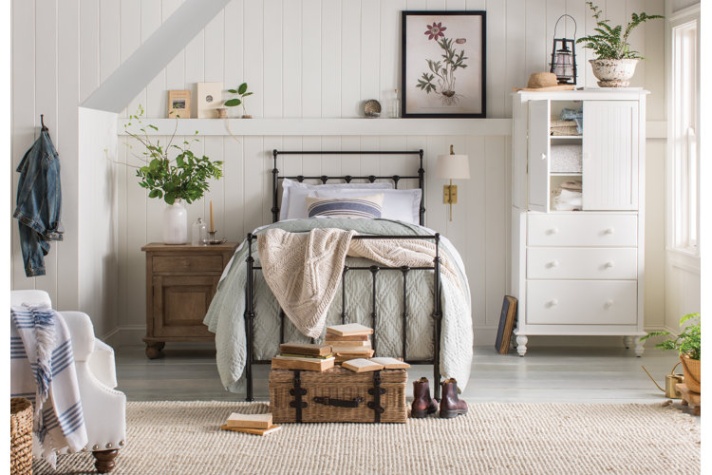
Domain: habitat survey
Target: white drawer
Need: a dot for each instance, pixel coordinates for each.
(582, 263)
(581, 302)
(582, 229)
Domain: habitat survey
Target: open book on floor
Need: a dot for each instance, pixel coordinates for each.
(248, 430)
(249, 421)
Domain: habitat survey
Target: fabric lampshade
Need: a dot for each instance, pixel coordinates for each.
(453, 167)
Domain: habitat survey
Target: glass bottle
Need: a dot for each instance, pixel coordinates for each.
(395, 105)
(200, 233)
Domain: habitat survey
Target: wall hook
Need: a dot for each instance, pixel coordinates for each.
(42, 121)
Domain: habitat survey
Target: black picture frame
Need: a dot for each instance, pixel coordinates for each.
(443, 68)
(507, 322)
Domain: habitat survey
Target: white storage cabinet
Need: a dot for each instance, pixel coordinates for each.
(577, 256)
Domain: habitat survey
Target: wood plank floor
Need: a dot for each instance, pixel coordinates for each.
(547, 374)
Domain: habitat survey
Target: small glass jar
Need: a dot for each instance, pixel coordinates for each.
(395, 105)
(200, 233)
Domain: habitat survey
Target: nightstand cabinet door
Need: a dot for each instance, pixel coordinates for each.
(180, 304)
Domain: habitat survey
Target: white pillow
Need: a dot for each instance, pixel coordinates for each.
(401, 205)
(370, 206)
(296, 207)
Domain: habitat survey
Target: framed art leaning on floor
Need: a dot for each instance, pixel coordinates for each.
(443, 69)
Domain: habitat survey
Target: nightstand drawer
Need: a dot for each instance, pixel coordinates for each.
(582, 302)
(583, 230)
(582, 263)
(187, 264)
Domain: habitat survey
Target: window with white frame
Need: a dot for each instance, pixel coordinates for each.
(685, 125)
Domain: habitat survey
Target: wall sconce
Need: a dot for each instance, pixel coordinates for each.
(452, 167)
(563, 56)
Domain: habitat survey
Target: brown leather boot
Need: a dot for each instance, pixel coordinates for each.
(450, 404)
(423, 404)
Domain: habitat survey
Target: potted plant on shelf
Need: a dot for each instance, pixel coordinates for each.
(688, 344)
(615, 61)
(184, 177)
(242, 92)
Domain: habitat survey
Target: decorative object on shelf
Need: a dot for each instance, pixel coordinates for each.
(242, 92)
(452, 167)
(688, 344)
(443, 69)
(209, 98)
(222, 112)
(395, 105)
(179, 104)
(615, 61)
(200, 233)
(544, 82)
(563, 56)
(372, 108)
(184, 177)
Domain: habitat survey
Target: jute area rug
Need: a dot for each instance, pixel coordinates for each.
(494, 438)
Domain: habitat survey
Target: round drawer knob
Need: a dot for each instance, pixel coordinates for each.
(553, 264)
(610, 264)
(608, 304)
(543, 156)
(609, 231)
(552, 231)
(553, 303)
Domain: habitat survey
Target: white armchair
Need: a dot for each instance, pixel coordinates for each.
(104, 407)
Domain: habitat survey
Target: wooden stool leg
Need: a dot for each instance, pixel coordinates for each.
(105, 460)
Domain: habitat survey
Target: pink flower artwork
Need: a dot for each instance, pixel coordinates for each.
(435, 31)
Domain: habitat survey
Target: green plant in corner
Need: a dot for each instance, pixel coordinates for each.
(242, 92)
(688, 342)
(184, 177)
(611, 42)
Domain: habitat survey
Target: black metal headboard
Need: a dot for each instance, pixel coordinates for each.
(348, 178)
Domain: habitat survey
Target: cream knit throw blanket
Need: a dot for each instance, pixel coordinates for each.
(304, 270)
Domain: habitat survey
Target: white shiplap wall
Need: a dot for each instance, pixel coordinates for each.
(320, 58)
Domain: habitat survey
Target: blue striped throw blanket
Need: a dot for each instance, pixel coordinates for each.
(42, 368)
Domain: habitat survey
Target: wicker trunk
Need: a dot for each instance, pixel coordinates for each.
(338, 395)
(20, 436)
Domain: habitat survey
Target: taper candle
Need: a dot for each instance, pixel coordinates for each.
(212, 221)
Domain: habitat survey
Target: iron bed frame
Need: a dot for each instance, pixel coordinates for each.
(373, 269)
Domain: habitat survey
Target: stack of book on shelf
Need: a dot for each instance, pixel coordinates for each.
(257, 424)
(349, 341)
(304, 356)
(361, 365)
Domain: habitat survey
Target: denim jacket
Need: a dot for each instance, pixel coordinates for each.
(39, 203)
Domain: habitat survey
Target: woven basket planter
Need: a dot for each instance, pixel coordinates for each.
(20, 436)
(693, 374)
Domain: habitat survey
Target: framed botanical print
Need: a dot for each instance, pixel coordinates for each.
(443, 69)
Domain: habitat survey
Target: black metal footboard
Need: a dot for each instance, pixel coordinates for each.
(374, 270)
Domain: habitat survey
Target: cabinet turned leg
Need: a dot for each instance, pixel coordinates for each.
(639, 348)
(105, 460)
(627, 342)
(522, 344)
(153, 350)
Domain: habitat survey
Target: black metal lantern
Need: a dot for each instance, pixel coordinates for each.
(563, 56)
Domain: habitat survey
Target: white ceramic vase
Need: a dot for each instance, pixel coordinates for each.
(613, 72)
(175, 223)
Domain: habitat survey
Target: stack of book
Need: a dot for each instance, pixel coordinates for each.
(257, 424)
(361, 365)
(349, 341)
(304, 356)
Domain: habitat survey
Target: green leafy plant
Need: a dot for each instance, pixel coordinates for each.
(185, 176)
(688, 342)
(242, 92)
(611, 42)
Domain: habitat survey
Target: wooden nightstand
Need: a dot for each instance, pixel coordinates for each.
(180, 283)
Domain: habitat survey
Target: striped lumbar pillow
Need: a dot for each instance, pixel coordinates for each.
(356, 207)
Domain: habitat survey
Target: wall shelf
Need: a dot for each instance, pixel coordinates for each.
(322, 127)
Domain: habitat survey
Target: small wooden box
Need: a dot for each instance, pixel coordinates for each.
(338, 395)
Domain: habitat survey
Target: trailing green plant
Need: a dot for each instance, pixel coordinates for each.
(611, 42)
(688, 342)
(186, 176)
(242, 92)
